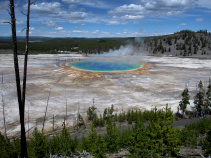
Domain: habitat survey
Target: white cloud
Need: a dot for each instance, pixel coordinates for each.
(49, 23)
(59, 28)
(73, 17)
(113, 23)
(45, 7)
(55, 10)
(132, 17)
(20, 22)
(90, 3)
(169, 4)
(72, 7)
(199, 19)
(128, 9)
(174, 12)
(80, 31)
(151, 8)
(31, 28)
(204, 3)
(128, 12)
(183, 24)
(96, 32)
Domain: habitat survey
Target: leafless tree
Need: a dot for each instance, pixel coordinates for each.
(2, 78)
(3, 105)
(46, 110)
(5, 130)
(21, 96)
(66, 103)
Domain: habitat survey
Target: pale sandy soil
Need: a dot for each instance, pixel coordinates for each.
(161, 83)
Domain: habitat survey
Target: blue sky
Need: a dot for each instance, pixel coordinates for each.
(108, 18)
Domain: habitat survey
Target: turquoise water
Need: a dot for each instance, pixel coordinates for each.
(104, 66)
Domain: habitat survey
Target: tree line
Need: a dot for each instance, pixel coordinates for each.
(202, 99)
(53, 46)
(151, 135)
(185, 43)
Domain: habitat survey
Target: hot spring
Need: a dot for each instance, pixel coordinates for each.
(104, 66)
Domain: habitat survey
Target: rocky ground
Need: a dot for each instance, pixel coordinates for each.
(160, 81)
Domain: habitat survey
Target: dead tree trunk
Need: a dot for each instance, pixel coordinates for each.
(5, 130)
(2, 78)
(21, 97)
(66, 104)
(26, 55)
(46, 111)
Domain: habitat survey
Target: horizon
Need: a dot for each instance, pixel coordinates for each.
(23, 36)
(108, 19)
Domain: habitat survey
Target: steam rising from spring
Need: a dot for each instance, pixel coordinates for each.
(133, 48)
(133, 51)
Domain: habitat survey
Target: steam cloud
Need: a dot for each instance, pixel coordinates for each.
(135, 48)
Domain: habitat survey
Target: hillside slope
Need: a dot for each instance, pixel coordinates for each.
(183, 43)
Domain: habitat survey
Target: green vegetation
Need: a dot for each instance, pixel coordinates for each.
(54, 45)
(149, 133)
(183, 43)
(199, 98)
(185, 100)
(152, 135)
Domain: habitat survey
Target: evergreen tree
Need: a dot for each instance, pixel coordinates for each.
(91, 112)
(185, 100)
(66, 142)
(81, 121)
(199, 98)
(164, 138)
(124, 138)
(96, 120)
(188, 137)
(111, 110)
(169, 41)
(16, 148)
(111, 137)
(92, 137)
(75, 144)
(54, 145)
(101, 121)
(140, 141)
(129, 117)
(5, 148)
(123, 117)
(83, 145)
(38, 144)
(115, 117)
(105, 113)
(208, 96)
(171, 142)
(155, 135)
(207, 143)
(99, 147)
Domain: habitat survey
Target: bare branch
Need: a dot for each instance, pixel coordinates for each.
(23, 13)
(33, 2)
(8, 23)
(23, 29)
(8, 11)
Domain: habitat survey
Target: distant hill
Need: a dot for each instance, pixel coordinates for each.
(184, 43)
